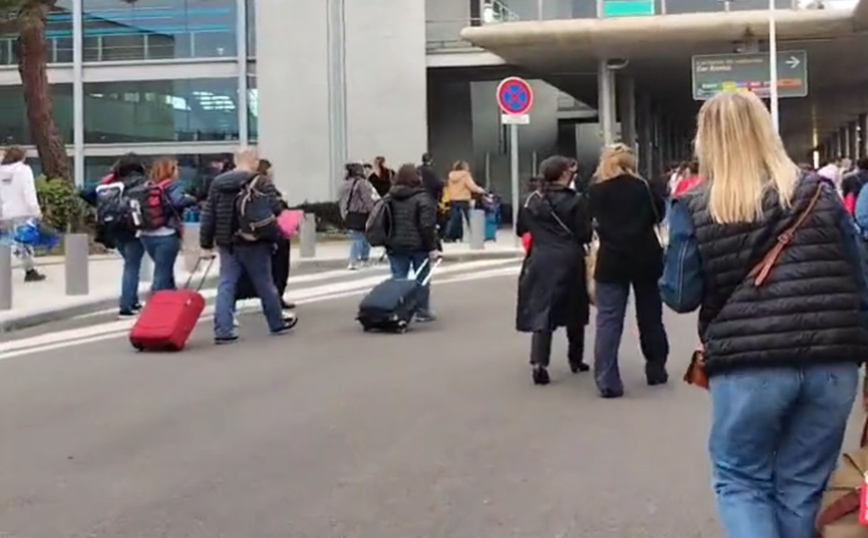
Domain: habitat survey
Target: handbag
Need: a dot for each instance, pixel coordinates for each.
(840, 504)
(289, 221)
(591, 251)
(695, 374)
(355, 220)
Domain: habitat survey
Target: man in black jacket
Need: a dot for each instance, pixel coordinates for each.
(432, 184)
(219, 228)
(413, 240)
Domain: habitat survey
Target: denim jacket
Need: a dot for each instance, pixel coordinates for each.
(682, 283)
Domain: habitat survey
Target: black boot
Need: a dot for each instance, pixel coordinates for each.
(540, 375)
(656, 374)
(576, 349)
(33, 276)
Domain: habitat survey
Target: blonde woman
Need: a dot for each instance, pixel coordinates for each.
(627, 209)
(460, 189)
(783, 345)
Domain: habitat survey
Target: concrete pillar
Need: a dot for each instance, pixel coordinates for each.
(863, 135)
(76, 260)
(5, 276)
(645, 138)
(853, 140)
(606, 101)
(477, 229)
(838, 144)
(627, 110)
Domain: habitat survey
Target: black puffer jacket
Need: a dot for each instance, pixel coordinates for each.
(219, 225)
(808, 310)
(414, 221)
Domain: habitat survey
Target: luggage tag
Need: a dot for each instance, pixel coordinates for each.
(863, 501)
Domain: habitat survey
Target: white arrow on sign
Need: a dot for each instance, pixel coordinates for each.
(793, 62)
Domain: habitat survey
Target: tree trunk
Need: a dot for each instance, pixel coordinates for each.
(33, 50)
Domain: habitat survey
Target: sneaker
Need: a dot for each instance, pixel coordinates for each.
(235, 322)
(223, 340)
(33, 276)
(126, 314)
(424, 317)
(287, 305)
(352, 266)
(290, 320)
(138, 307)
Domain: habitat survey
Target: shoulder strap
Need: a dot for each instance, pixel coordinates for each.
(651, 198)
(352, 192)
(761, 271)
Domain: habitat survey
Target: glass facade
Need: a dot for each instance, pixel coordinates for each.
(187, 110)
(58, 33)
(118, 30)
(584, 9)
(135, 96)
(14, 128)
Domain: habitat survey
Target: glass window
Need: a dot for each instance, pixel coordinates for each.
(251, 28)
(252, 108)
(189, 166)
(14, 127)
(58, 32)
(158, 29)
(160, 111)
(36, 165)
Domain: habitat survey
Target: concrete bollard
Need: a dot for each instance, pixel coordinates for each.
(307, 237)
(146, 272)
(5, 277)
(76, 260)
(477, 229)
(190, 246)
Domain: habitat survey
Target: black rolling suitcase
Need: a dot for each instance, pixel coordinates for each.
(390, 306)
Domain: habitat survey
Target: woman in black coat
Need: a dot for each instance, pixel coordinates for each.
(627, 210)
(552, 290)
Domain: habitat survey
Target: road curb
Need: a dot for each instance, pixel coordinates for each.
(41, 317)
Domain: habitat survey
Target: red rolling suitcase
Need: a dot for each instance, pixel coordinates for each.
(169, 317)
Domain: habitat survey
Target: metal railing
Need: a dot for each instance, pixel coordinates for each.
(446, 34)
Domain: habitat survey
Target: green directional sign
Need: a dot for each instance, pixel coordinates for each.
(628, 8)
(716, 73)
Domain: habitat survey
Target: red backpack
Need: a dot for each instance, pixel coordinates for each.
(149, 200)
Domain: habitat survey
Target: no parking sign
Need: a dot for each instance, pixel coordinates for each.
(515, 99)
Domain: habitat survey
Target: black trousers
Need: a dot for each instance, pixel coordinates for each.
(541, 346)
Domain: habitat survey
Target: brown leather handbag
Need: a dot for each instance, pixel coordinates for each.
(695, 374)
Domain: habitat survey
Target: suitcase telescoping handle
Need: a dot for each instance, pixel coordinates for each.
(189, 283)
(422, 267)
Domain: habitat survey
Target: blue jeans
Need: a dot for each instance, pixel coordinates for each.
(459, 216)
(775, 438)
(611, 310)
(255, 259)
(163, 249)
(360, 249)
(400, 264)
(132, 252)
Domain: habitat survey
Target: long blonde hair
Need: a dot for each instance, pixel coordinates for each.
(616, 160)
(742, 156)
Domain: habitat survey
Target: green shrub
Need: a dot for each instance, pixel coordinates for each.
(62, 208)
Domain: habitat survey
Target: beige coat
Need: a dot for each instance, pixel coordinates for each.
(460, 186)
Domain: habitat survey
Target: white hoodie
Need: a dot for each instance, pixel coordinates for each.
(18, 192)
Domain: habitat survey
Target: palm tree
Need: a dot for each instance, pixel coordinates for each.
(28, 18)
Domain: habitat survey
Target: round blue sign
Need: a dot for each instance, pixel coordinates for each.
(514, 96)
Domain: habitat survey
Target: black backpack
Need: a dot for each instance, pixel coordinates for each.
(114, 209)
(254, 213)
(378, 229)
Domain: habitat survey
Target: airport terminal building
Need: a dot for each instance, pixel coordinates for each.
(317, 83)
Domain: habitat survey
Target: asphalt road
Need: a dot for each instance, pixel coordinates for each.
(331, 433)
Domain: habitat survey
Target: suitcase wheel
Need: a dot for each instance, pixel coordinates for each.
(402, 327)
(138, 347)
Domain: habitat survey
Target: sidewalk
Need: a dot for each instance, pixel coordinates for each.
(36, 303)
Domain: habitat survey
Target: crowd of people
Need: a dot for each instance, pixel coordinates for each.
(766, 251)
(769, 252)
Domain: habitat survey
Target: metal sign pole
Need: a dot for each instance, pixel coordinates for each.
(513, 170)
(773, 66)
